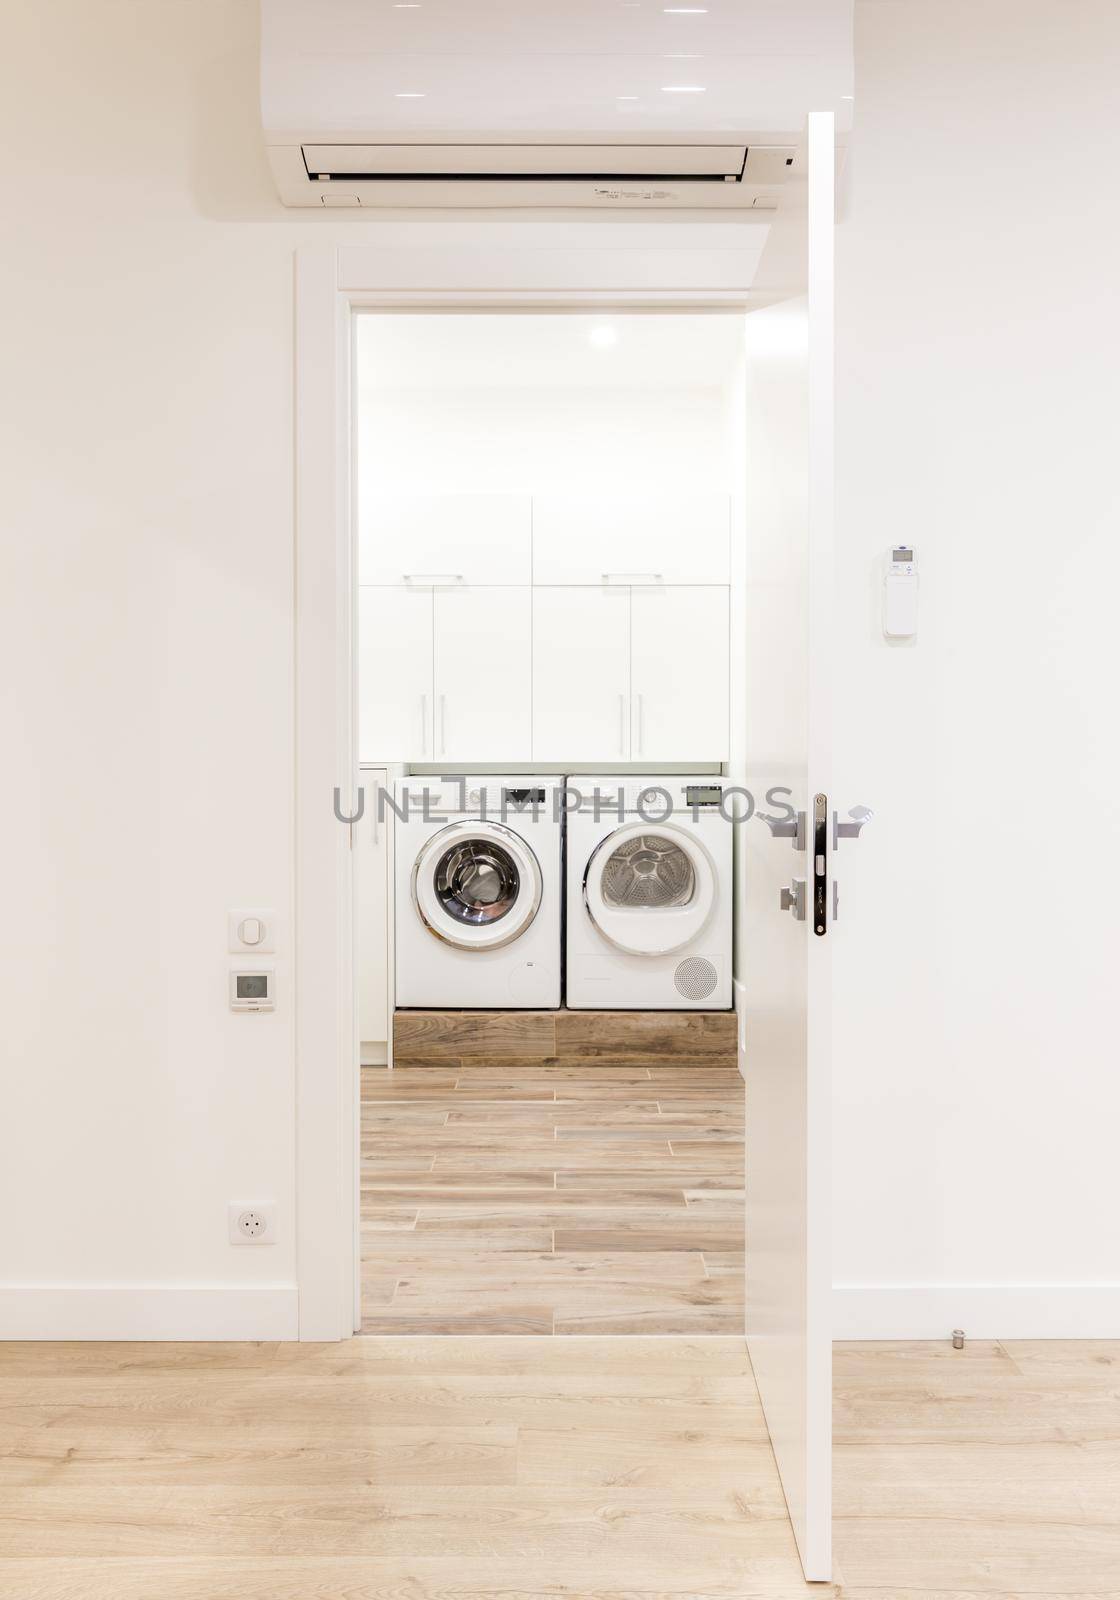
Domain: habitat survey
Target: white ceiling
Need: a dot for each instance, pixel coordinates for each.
(539, 350)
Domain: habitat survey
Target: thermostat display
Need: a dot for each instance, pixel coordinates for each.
(252, 991)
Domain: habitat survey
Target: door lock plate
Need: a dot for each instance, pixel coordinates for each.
(820, 864)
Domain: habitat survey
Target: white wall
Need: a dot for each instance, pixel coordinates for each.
(146, 292)
(978, 1094)
(571, 441)
(526, 404)
(146, 649)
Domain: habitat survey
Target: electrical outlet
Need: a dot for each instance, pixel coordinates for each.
(252, 1223)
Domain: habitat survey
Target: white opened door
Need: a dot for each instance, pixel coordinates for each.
(786, 928)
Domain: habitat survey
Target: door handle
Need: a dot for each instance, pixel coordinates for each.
(423, 724)
(793, 899)
(641, 724)
(443, 724)
(860, 815)
(787, 828)
(622, 724)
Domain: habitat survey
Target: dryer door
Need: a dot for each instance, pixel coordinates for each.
(476, 885)
(650, 888)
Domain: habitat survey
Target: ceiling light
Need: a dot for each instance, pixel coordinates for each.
(626, 97)
(410, 94)
(604, 337)
(685, 11)
(683, 88)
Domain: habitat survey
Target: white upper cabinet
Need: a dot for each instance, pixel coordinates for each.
(450, 538)
(581, 674)
(395, 708)
(680, 674)
(483, 674)
(632, 540)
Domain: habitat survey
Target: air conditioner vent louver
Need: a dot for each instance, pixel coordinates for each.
(526, 163)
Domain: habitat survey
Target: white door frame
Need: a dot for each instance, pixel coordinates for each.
(420, 266)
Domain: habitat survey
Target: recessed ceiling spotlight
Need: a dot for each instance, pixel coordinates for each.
(603, 337)
(683, 88)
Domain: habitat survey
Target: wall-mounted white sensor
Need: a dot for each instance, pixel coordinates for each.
(900, 594)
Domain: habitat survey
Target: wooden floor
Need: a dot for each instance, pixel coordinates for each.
(519, 1468)
(510, 1196)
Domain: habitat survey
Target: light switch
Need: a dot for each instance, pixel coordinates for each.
(252, 930)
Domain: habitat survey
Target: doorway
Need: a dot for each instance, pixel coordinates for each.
(705, 267)
(526, 1169)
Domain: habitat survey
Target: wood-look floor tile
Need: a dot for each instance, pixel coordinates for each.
(533, 1195)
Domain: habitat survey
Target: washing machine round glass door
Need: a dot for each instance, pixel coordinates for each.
(650, 888)
(476, 885)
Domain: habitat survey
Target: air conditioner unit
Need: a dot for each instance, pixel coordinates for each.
(437, 103)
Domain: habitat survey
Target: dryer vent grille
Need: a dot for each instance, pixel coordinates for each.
(695, 978)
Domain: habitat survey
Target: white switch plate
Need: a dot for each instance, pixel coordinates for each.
(252, 1222)
(266, 945)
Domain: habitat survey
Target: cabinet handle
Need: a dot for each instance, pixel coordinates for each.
(432, 577)
(423, 724)
(653, 577)
(641, 723)
(443, 724)
(622, 724)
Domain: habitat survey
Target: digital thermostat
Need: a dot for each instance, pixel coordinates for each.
(253, 991)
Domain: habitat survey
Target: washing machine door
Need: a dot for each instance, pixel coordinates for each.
(476, 885)
(650, 888)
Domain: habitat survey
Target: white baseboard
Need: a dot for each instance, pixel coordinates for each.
(983, 1310)
(149, 1311)
(739, 1001)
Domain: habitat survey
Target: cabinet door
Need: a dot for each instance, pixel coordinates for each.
(395, 706)
(581, 674)
(642, 539)
(483, 674)
(428, 538)
(680, 670)
(371, 897)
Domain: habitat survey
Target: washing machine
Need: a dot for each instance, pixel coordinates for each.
(478, 893)
(649, 890)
